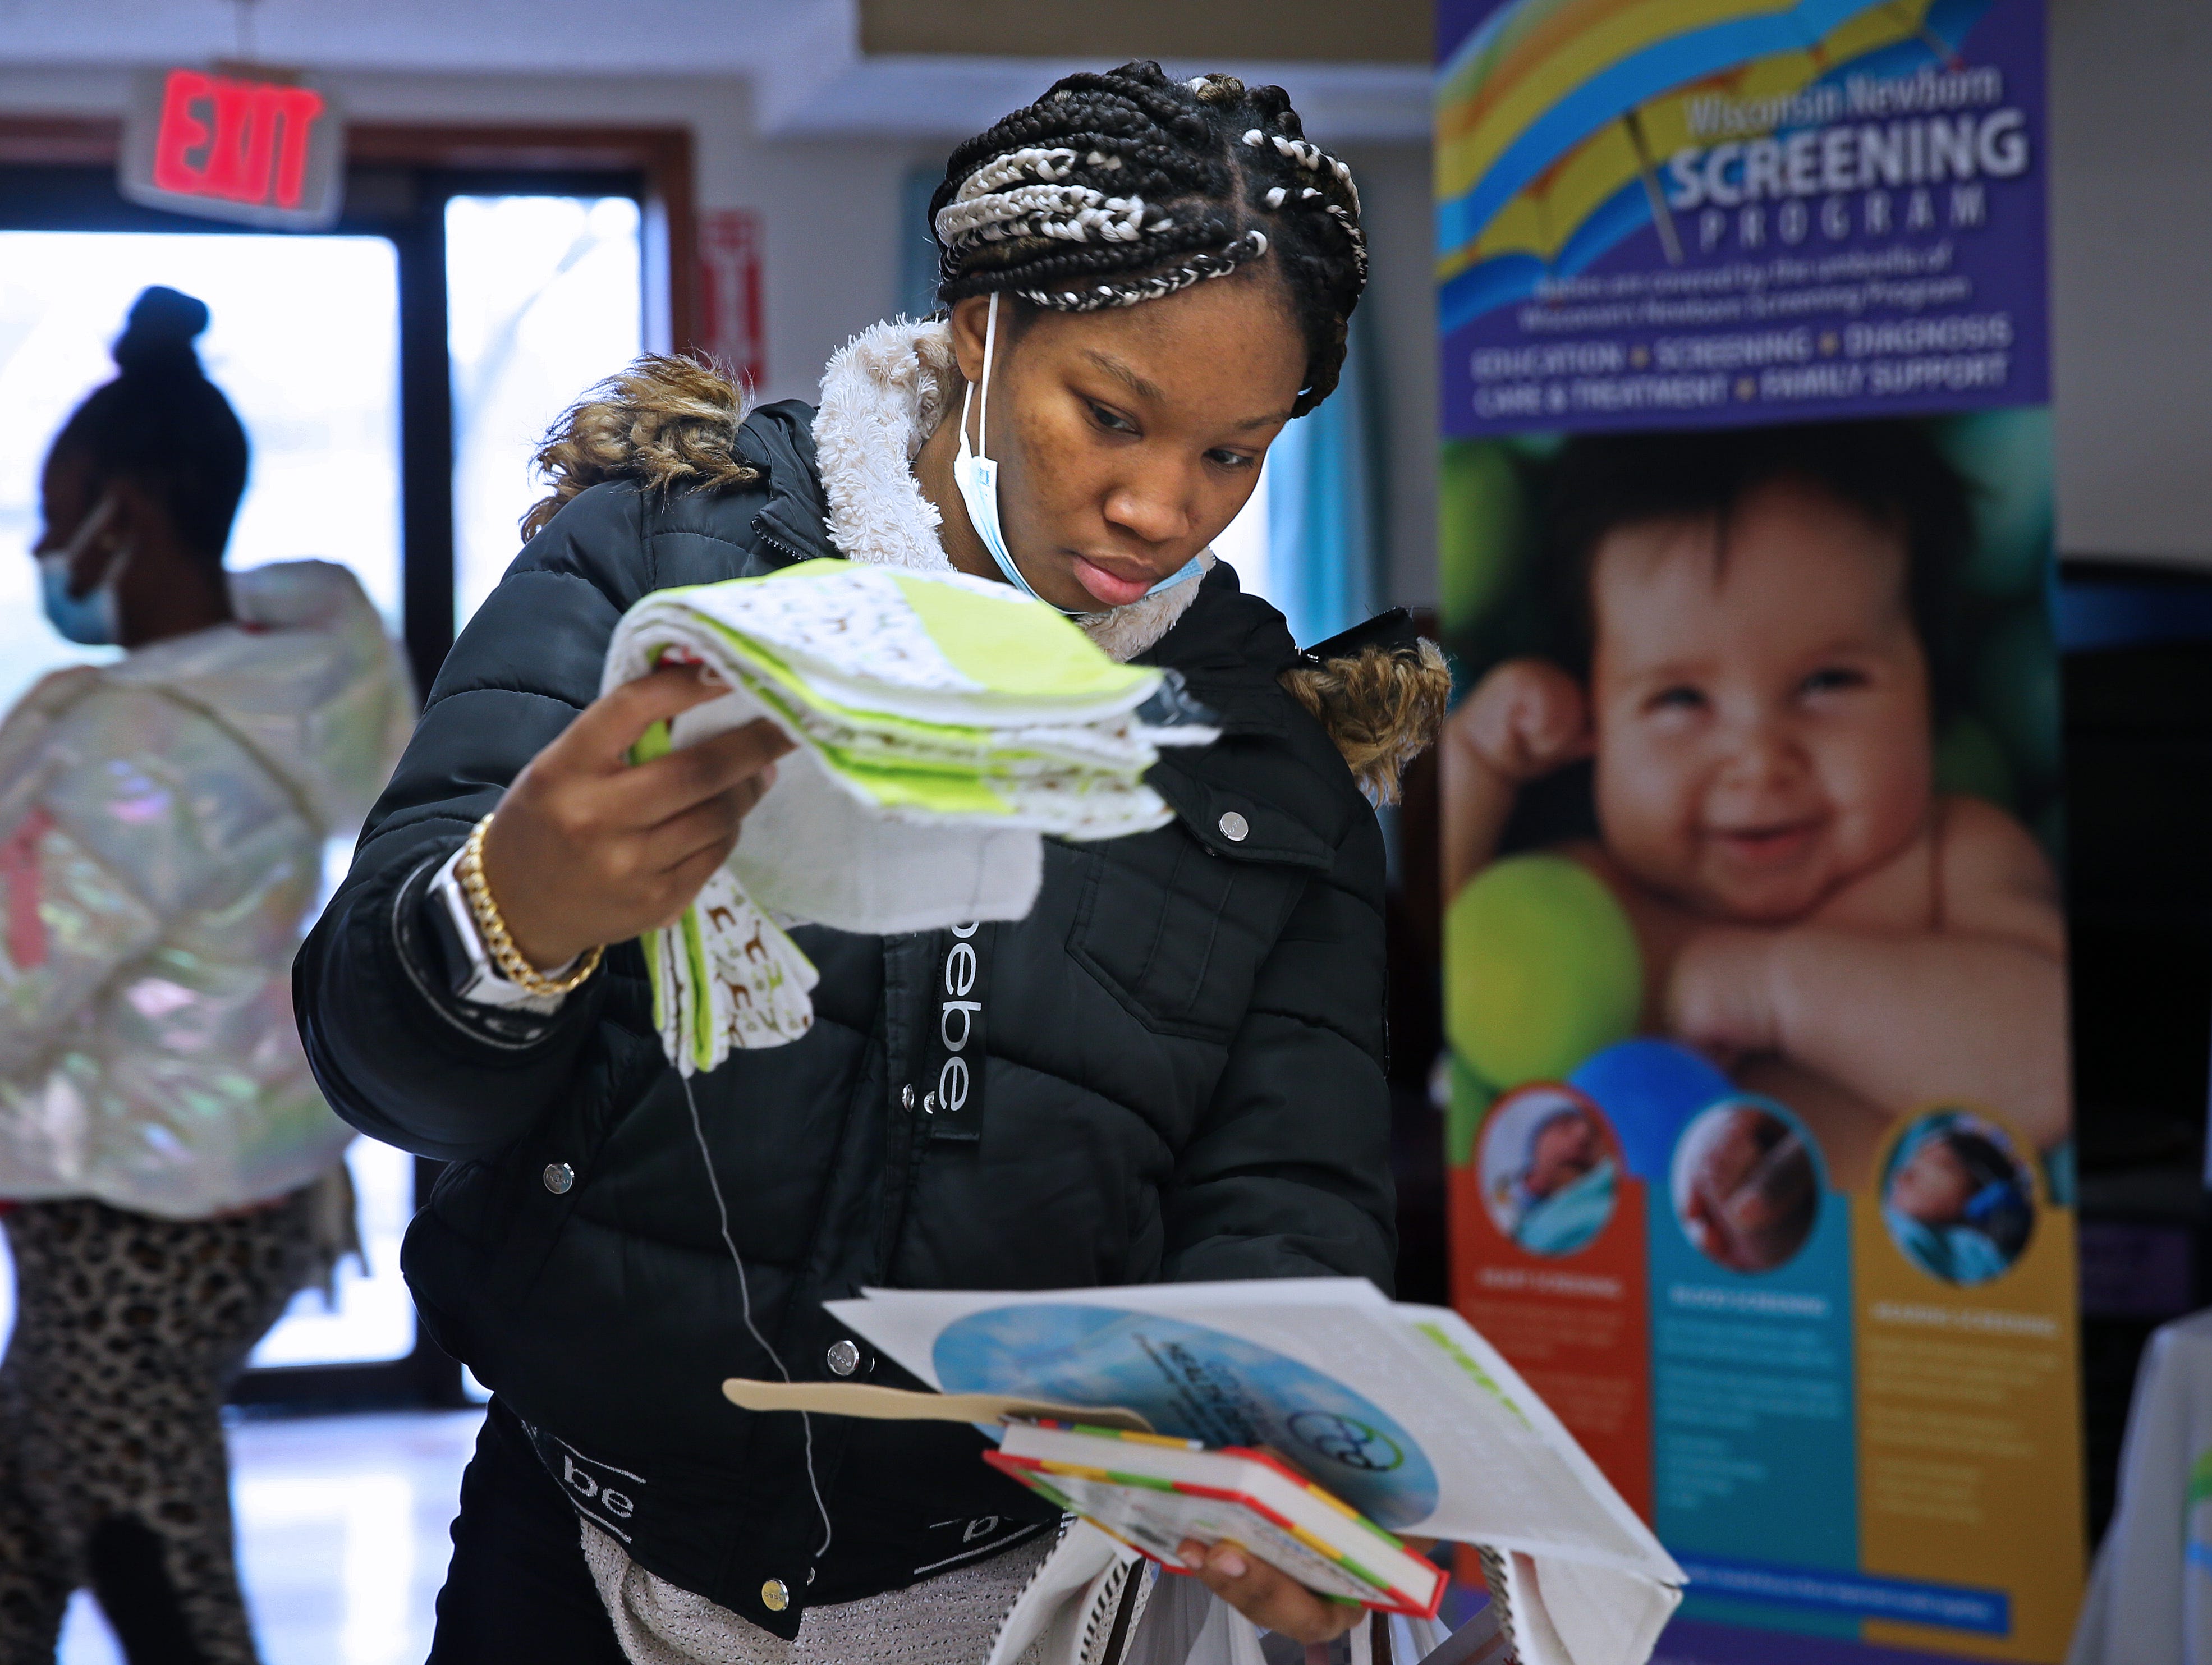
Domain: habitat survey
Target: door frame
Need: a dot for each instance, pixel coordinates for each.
(657, 163)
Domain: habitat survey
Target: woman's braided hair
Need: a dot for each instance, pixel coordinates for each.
(1118, 188)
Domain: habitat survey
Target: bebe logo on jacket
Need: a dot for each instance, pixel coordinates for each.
(954, 1106)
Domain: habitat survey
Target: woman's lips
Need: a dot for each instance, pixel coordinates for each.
(1107, 587)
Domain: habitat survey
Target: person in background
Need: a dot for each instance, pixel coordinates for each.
(172, 1174)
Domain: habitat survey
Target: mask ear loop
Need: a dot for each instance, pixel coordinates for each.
(983, 416)
(89, 527)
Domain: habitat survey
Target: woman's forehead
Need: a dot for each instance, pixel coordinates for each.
(1227, 343)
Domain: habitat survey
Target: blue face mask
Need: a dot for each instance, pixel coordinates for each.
(977, 478)
(89, 621)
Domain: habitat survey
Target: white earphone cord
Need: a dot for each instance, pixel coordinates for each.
(745, 1306)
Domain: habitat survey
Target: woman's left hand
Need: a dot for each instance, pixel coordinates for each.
(1273, 1601)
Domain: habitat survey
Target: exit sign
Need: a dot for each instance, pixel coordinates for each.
(239, 142)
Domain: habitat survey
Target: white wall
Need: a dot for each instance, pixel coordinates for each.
(2131, 272)
(1394, 196)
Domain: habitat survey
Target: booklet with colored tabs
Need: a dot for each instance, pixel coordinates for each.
(1403, 1414)
(1152, 1492)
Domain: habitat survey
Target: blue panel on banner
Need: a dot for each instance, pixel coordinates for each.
(1752, 1399)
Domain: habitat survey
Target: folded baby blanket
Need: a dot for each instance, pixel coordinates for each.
(942, 724)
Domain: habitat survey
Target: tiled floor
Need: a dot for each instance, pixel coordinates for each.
(342, 1537)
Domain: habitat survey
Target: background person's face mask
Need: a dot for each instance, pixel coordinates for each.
(89, 621)
(977, 478)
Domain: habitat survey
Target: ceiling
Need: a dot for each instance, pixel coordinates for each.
(804, 58)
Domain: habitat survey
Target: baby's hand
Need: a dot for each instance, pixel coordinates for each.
(1524, 719)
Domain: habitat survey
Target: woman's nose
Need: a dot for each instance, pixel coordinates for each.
(1152, 511)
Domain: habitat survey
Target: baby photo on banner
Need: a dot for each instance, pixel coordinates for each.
(1755, 984)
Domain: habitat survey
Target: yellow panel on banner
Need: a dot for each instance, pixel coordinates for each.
(1969, 1413)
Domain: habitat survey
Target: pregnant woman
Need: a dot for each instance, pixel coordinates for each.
(1145, 279)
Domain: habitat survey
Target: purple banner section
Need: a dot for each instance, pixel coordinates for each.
(1870, 243)
(1700, 1642)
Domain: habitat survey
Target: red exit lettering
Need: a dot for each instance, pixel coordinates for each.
(240, 141)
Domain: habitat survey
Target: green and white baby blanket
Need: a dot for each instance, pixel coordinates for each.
(943, 725)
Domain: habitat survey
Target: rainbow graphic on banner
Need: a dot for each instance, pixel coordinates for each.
(1556, 122)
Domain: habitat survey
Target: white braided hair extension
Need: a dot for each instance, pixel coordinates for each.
(1026, 212)
(996, 203)
(1124, 187)
(1311, 157)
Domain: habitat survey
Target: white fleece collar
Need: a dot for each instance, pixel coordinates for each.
(883, 395)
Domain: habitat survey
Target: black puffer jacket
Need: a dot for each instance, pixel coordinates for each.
(1184, 1081)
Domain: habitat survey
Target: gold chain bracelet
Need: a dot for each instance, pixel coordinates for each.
(493, 928)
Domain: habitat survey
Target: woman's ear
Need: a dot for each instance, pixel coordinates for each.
(970, 320)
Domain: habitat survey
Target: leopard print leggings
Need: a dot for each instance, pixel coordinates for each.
(113, 1471)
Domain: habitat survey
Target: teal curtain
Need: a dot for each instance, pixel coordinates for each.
(1325, 538)
(917, 250)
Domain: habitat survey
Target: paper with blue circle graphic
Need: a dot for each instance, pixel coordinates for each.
(1198, 1383)
(1404, 1413)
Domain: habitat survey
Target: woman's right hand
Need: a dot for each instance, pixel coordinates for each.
(587, 848)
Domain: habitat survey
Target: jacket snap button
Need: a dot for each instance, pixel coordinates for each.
(844, 1359)
(773, 1596)
(1235, 827)
(559, 1176)
(905, 1097)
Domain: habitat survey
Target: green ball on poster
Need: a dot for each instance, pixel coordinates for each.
(1482, 525)
(1541, 969)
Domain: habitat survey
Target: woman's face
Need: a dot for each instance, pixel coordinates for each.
(1127, 438)
(67, 494)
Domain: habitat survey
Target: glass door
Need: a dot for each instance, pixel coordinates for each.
(394, 377)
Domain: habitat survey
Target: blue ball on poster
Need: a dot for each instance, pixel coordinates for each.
(1647, 1089)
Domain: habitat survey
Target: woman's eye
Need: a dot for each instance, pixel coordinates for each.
(1682, 697)
(1113, 421)
(1234, 460)
(1833, 679)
